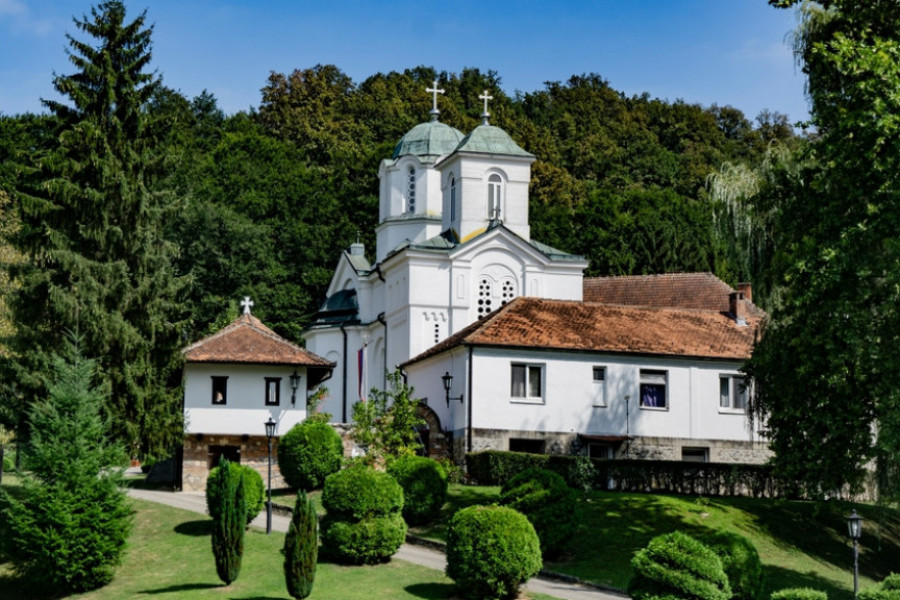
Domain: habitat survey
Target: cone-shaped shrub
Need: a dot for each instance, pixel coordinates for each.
(308, 453)
(424, 483)
(676, 565)
(228, 525)
(550, 505)
(301, 548)
(254, 489)
(363, 524)
(491, 551)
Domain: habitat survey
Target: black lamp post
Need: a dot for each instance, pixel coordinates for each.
(270, 433)
(295, 383)
(447, 379)
(854, 524)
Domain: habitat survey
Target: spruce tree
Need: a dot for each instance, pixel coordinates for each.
(67, 531)
(91, 233)
(301, 548)
(229, 522)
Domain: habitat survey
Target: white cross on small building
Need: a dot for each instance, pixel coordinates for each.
(434, 92)
(485, 96)
(246, 303)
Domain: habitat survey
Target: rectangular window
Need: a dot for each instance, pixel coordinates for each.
(733, 393)
(273, 391)
(695, 454)
(526, 382)
(219, 389)
(599, 386)
(653, 389)
(525, 445)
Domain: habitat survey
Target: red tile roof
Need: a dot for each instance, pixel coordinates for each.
(594, 327)
(669, 290)
(246, 340)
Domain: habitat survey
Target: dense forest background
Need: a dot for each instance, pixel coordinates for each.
(265, 201)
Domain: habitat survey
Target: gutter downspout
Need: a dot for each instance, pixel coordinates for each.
(469, 433)
(344, 385)
(380, 319)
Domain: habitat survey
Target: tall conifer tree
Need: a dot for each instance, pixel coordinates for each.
(91, 227)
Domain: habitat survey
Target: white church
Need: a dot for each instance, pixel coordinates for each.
(503, 338)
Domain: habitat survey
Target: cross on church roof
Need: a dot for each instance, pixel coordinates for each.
(434, 92)
(246, 303)
(485, 115)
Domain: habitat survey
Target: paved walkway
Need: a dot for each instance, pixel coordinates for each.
(196, 502)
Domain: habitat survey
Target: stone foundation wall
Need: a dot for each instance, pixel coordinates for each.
(646, 448)
(253, 452)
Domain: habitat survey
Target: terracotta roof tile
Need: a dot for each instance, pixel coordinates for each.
(669, 290)
(587, 326)
(246, 340)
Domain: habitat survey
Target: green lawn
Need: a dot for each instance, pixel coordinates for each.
(800, 543)
(169, 556)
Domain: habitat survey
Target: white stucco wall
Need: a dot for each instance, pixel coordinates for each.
(245, 411)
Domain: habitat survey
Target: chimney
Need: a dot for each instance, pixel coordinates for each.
(738, 308)
(357, 249)
(746, 288)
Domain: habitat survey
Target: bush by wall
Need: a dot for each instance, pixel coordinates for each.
(491, 551)
(308, 453)
(676, 565)
(493, 467)
(550, 505)
(364, 522)
(254, 489)
(424, 483)
(741, 563)
(301, 548)
(888, 589)
(799, 594)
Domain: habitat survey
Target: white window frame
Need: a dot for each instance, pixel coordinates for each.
(651, 377)
(410, 189)
(735, 384)
(453, 207)
(527, 396)
(598, 391)
(496, 192)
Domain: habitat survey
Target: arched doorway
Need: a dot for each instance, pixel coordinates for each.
(434, 440)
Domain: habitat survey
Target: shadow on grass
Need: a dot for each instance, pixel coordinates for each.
(778, 578)
(432, 591)
(183, 587)
(195, 528)
(14, 587)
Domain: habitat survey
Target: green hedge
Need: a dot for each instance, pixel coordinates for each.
(493, 467)
(254, 489)
(358, 492)
(491, 551)
(424, 483)
(550, 505)
(675, 565)
(367, 541)
(888, 589)
(741, 563)
(799, 594)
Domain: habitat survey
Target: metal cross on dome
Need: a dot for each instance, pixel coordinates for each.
(434, 92)
(485, 115)
(246, 303)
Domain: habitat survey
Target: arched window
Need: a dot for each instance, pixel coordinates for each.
(495, 196)
(452, 198)
(411, 190)
(485, 296)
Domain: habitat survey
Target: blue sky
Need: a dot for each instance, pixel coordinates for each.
(725, 52)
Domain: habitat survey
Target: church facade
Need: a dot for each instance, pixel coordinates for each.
(482, 321)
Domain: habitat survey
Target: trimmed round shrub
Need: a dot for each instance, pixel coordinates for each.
(364, 524)
(424, 483)
(675, 565)
(358, 492)
(550, 505)
(799, 594)
(368, 541)
(888, 589)
(741, 563)
(254, 489)
(308, 453)
(491, 551)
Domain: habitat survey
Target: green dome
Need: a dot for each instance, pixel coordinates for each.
(428, 139)
(488, 139)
